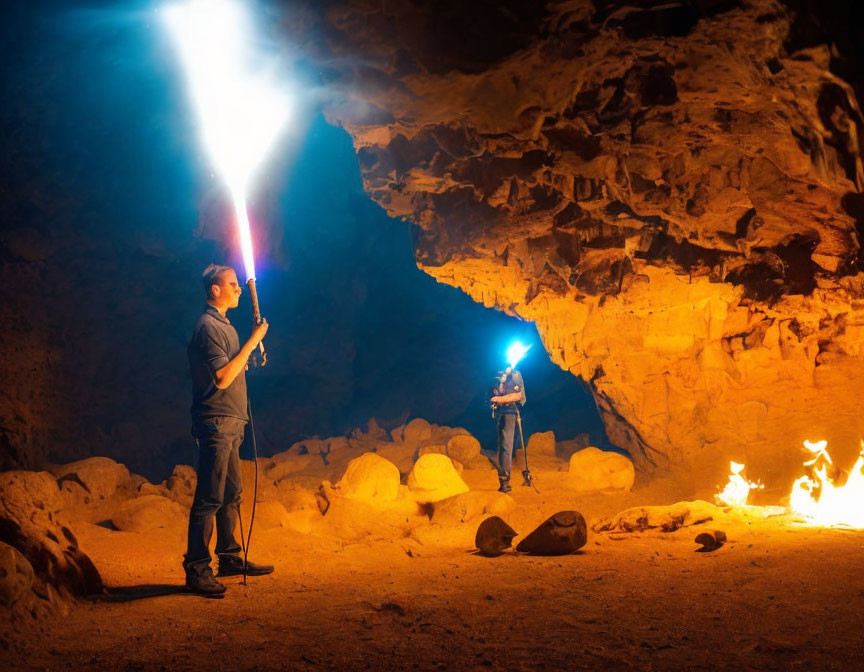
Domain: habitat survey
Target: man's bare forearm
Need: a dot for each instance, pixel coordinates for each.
(507, 398)
(228, 373)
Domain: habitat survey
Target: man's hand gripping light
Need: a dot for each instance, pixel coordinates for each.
(241, 108)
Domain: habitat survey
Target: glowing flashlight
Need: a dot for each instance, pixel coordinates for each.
(515, 353)
(241, 107)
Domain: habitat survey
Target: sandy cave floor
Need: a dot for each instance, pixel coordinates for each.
(775, 597)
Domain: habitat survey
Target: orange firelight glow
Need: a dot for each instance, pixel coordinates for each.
(737, 489)
(820, 500)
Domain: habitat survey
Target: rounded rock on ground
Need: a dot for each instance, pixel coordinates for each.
(417, 431)
(100, 476)
(494, 536)
(541, 444)
(434, 478)
(593, 469)
(463, 447)
(370, 478)
(147, 513)
(560, 534)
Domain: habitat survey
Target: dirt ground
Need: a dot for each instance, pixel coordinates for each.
(777, 596)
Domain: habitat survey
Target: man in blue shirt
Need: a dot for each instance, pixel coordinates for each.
(219, 416)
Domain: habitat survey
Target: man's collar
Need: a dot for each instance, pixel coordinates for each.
(215, 313)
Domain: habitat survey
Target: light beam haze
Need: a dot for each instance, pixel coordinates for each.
(515, 353)
(241, 106)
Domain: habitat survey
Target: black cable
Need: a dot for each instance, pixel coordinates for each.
(247, 540)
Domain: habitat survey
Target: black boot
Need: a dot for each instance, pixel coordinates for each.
(505, 486)
(232, 565)
(202, 582)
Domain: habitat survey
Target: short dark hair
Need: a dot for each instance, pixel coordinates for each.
(210, 276)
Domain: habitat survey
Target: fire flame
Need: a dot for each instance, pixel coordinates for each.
(242, 110)
(816, 497)
(737, 489)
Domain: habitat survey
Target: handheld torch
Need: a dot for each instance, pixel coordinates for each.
(261, 358)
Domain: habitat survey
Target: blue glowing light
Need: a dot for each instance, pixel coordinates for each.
(516, 352)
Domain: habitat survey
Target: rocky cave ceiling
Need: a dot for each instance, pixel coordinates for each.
(671, 191)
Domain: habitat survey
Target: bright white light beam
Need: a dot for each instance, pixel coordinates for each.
(241, 107)
(515, 353)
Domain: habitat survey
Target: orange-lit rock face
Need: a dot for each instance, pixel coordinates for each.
(671, 197)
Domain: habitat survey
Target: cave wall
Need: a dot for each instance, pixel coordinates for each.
(670, 191)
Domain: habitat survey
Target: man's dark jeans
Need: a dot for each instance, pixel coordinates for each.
(506, 435)
(217, 496)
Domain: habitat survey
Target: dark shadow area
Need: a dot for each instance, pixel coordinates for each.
(120, 594)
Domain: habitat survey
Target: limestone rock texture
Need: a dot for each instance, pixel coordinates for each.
(371, 479)
(34, 523)
(434, 478)
(671, 191)
(593, 469)
(665, 518)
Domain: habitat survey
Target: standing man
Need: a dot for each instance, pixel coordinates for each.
(219, 416)
(508, 396)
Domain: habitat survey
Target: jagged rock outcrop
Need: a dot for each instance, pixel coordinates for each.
(32, 522)
(670, 191)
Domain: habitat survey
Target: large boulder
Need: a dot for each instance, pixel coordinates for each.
(463, 448)
(434, 478)
(593, 469)
(560, 534)
(371, 479)
(100, 476)
(148, 513)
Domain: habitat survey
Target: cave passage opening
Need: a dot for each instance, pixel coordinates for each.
(109, 220)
